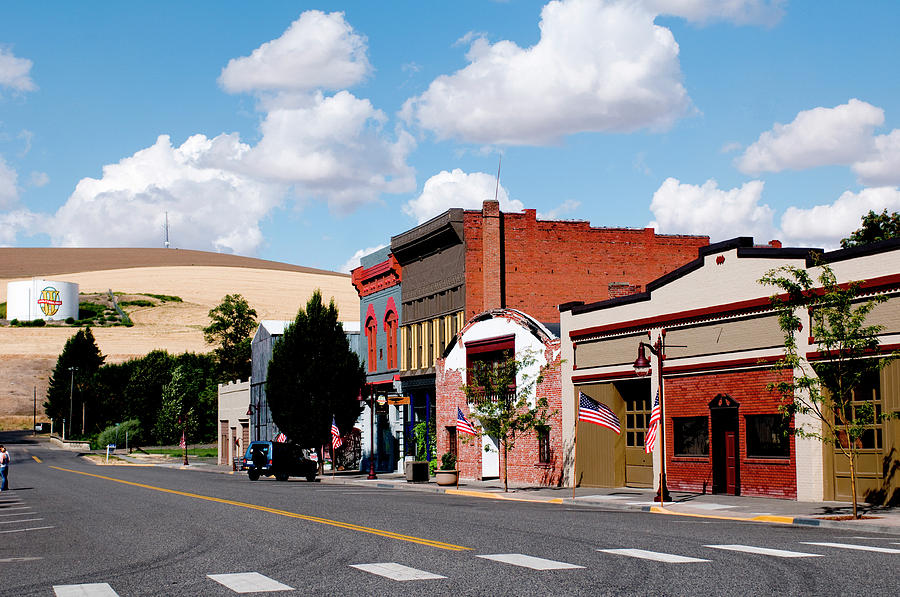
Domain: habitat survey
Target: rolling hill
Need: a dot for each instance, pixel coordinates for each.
(276, 290)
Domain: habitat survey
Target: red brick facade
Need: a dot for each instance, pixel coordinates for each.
(544, 263)
(690, 396)
(524, 464)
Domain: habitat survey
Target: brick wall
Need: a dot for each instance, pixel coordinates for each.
(546, 263)
(690, 396)
(523, 465)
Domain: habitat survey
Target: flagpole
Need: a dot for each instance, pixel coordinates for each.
(575, 459)
(457, 456)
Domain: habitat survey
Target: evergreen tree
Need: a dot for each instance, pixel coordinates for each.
(313, 375)
(143, 394)
(75, 368)
(231, 329)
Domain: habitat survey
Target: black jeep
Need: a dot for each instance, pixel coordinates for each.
(279, 459)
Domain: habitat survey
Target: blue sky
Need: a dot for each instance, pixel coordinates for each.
(311, 132)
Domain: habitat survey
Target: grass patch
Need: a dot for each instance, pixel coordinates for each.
(165, 298)
(199, 452)
(137, 303)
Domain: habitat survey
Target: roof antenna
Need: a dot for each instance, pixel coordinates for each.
(497, 188)
(167, 230)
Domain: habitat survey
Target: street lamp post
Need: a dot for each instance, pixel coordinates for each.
(72, 370)
(642, 367)
(372, 474)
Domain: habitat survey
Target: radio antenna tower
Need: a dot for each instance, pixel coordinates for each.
(167, 230)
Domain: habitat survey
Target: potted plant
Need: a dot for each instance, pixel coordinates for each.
(448, 473)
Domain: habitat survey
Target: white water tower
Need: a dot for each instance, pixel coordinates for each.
(41, 299)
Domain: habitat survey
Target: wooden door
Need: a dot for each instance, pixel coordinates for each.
(730, 463)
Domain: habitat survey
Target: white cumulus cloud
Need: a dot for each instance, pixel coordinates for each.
(598, 66)
(18, 221)
(209, 207)
(882, 166)
(318, 51)
(15, 73)
(739, 12)
(458, 189)
(354, 261)
(825, 225)
(332, 148)
(681, 208)
(818, 137)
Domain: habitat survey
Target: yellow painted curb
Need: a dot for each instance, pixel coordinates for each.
(765, 518)
(497, 496)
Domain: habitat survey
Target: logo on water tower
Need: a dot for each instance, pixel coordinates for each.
(49, 301)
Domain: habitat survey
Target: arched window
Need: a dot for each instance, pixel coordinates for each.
(390, 329)
(372, 337)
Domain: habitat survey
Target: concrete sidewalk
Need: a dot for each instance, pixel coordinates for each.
(724, 507)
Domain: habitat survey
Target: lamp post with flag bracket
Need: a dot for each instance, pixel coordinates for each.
(642, 367)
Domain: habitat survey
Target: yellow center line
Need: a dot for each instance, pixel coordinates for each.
(37, 459)
(335, 523)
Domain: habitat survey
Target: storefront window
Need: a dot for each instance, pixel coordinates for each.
(767, 437)
(691, 435)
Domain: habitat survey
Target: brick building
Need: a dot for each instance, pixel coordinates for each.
(493, 336)
(464, 262)
(721, 425)
(377, 281)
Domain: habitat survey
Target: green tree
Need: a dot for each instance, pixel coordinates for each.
(875, 227)
(504, 405)
(823, 390)
(75, 367)
(179, 410)
(143, 393)
(231, 327)
(313, 375)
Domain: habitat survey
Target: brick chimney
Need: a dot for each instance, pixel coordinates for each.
(491, 240)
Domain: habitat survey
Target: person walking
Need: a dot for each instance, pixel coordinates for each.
(4, 468)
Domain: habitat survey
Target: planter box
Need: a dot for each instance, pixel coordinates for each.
(446, 477)
(416, 471)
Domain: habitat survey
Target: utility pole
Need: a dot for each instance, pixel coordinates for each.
(34, 416)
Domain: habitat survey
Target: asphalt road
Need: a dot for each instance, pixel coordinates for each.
(163, 531)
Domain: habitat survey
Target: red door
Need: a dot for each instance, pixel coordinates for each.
(730, 463)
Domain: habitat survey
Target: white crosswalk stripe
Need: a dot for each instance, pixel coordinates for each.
(249, 582)
(518, 559)
(395, 571)
(852, 546)
(766, 551)
(653, 555)
(99, 589)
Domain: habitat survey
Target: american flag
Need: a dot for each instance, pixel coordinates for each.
(462, 424)
(281, 438)
(594, 412)
(335, 435)
(182, 443)
(650, 438)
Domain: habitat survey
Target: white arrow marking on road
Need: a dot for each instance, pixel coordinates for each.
(517, 559)
(856, 547)
(249, 582)
(100, 589)
(396, 571)
(653, 555)
(778, 553)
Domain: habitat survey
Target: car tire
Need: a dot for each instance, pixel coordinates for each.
(311, 477)
(254, 475)
(281, 476)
